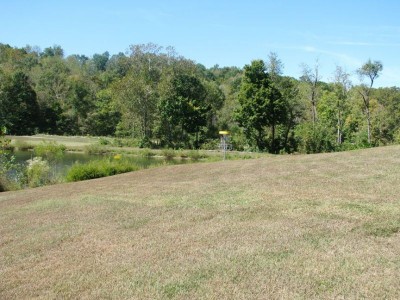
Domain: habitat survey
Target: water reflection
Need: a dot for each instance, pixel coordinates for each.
(62, 166)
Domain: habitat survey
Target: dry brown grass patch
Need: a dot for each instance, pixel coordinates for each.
(286, 227)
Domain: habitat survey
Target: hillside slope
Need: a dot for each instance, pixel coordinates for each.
(317, 226)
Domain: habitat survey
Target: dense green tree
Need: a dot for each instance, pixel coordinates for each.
(315, 138)
(229, 81)
(183, 108)
(19, 110)
(289, 88)
(103, 119)
(214, 100)
(14, 59)
(56, 50)
(136, 97)
(118, 65)
(136, 90)
(52, 87)
(261, 106)
(221, 75)
(354, 125)
(100, 61)
(385, 115)
(80, 102)
(80, 59)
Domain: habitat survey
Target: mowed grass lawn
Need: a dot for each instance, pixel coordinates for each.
(282, 227)
(69, 141)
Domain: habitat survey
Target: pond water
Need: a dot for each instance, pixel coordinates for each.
(62, 166)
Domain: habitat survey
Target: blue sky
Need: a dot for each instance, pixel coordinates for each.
(228, 33)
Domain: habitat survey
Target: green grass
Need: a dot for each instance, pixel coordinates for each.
(71, 142)
(321, 226)
(22, 145)
(96, 149)
(99, 168)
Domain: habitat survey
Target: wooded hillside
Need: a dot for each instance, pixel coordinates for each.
(162, 99)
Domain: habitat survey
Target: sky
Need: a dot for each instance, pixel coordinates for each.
(342, 33)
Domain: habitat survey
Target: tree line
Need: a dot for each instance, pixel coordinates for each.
(162, 99)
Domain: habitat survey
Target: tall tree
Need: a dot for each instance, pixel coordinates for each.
(80, 102)
(19, 110)
(51, 85)
(289, 88)
(137, 97)
(214, 100)
(274, 66)
(261, 106)
(183, 109)
(290, 92)
(103, 119)
(312, 79)
(386, 115)
(370, 70)
(342, 85)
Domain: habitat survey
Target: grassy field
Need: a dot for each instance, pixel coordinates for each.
(321, 226)
(70, 142)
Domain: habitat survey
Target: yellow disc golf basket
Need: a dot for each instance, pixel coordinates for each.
(224, 145)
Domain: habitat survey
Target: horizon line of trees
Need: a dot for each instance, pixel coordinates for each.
(162, 99)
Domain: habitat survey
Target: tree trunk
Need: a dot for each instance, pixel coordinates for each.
(314, 99)
(339, 128)
(368, 124)
(289, 125)
(367, 113)
(197, 139)
(313, 109)
(273, 147)
(260, 140)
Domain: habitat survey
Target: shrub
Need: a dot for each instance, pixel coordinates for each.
(99, 168)
(38, 172)
(23, 145)
(125, 142)
(168, 153)
(5, 144)
(147, 153)
(196, 155)
(117, 142)
(104, 141)
(396, 136)
(182, 154)
(50, 151)
(12, 183)
(3, 183)
(145, 142)
(211, 145)
(315, 138)
(11, 173)
(95, 149)
(9, 169)
(8, 146)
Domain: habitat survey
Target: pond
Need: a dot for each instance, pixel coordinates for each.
(62, 166)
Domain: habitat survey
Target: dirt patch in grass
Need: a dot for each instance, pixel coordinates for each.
(308, 227)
